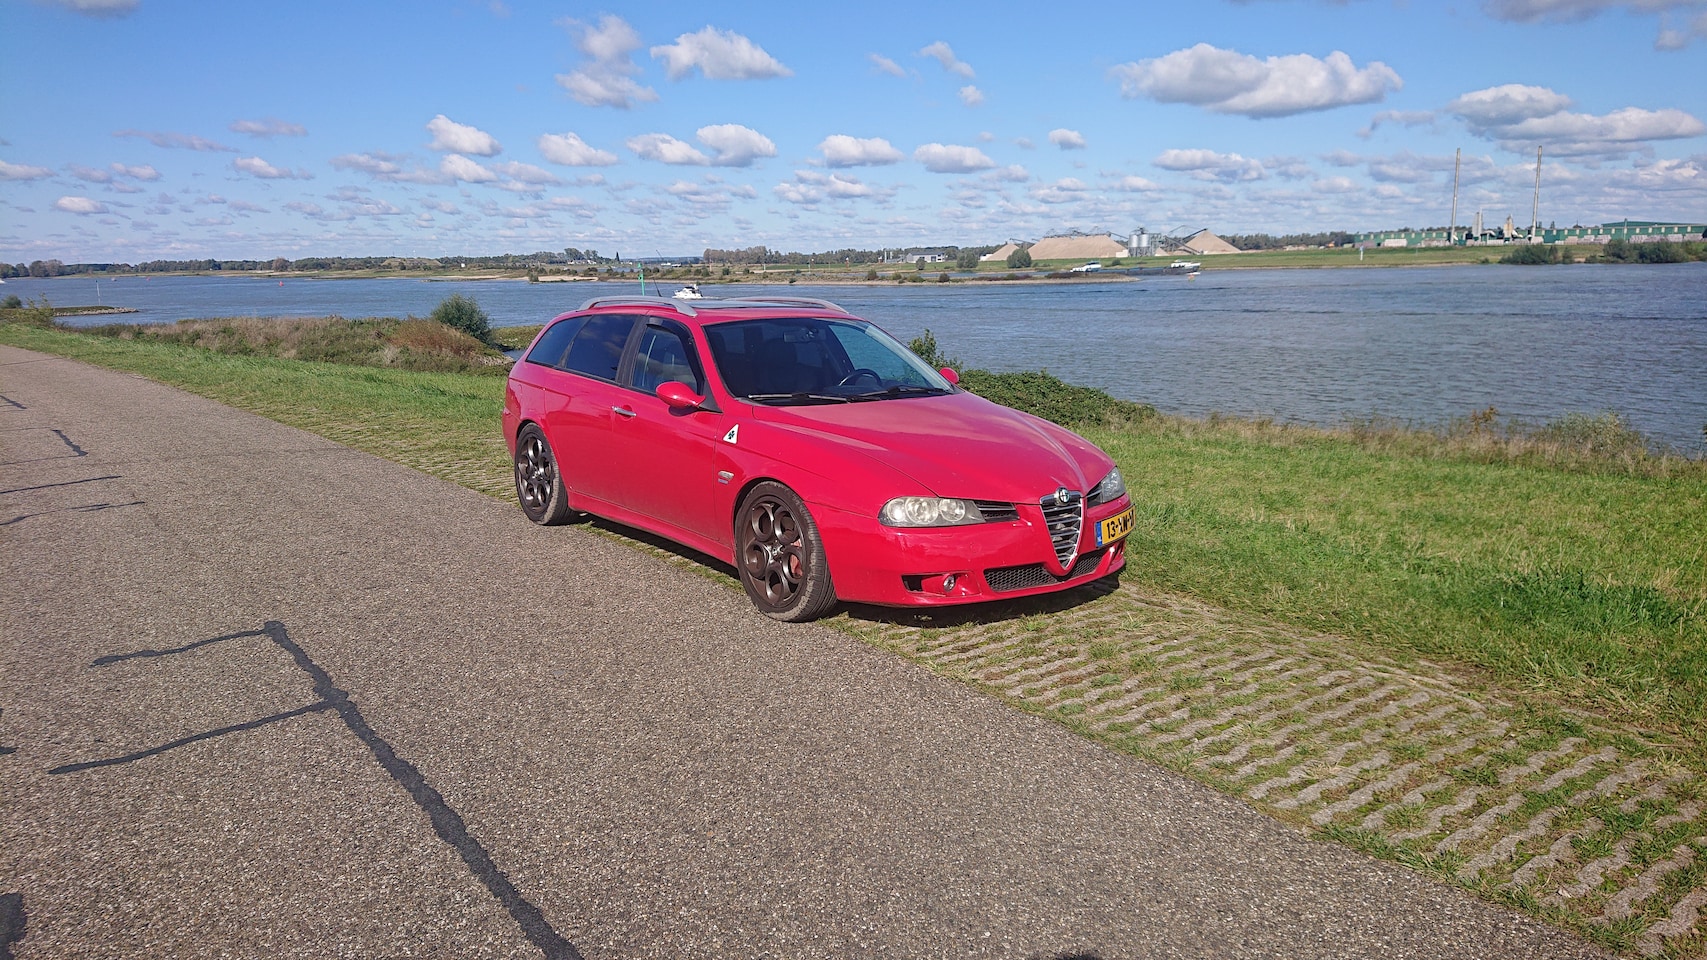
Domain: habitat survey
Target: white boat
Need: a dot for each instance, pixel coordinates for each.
(1186, 266)
(689, 292)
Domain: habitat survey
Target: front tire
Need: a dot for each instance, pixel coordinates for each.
(781, 556)
(539, 481)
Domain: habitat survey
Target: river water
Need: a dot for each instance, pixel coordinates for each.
(1420, 345)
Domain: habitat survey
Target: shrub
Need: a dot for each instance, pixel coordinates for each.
(11, 302)
(1532, 254)
(462, 313)
(1019, 259)
(925, 346)
(1035, 392)
(1042, 394)
(37, 314)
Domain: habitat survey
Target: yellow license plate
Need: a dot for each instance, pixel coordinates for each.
(1114, 527)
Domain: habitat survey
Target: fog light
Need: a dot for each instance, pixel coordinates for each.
(948, 583)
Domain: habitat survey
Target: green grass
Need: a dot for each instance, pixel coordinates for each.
(1581, 584)
(1569, 584)
(442, 423)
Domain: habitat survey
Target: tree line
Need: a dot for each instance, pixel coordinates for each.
(1263, 241)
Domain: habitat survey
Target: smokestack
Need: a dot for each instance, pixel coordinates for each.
(1535, 211)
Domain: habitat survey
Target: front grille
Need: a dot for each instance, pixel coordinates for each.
(1064, 513)
(997, 511)
(1009, 579)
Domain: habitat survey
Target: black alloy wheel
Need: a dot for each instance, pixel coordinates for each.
(780, 555)
(539, 482)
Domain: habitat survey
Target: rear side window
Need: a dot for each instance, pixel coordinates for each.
(550, 347)
(597, 349)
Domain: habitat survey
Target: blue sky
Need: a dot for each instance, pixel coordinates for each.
(134, 130)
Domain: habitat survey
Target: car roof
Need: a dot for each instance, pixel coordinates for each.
(713, 310)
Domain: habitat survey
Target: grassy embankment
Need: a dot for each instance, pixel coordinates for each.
(1565, 562)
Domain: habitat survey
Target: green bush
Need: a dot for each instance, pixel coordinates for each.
(1019, 259)
(11, 302)
(37, 314)
(1035, 392)
(1531, 254)
(462, 313)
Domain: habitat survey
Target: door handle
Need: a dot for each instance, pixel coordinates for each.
(623, 412)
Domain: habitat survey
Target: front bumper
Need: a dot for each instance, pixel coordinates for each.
(889, 566)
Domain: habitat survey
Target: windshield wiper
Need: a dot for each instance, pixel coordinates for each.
(899, 390)
(797, 397)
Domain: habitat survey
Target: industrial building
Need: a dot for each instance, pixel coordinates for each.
(1634, 231)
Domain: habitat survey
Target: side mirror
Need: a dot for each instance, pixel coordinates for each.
(678, 396)
(949, 375)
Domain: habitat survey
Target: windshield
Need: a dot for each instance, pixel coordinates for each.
(799, 360)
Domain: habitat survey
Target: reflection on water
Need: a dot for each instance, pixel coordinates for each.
(1317, 346)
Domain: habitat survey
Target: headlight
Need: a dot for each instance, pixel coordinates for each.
(929, 512)
(1111, 488)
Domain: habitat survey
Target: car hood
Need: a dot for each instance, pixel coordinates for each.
(955, 445)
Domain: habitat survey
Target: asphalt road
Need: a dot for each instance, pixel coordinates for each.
(264, 696)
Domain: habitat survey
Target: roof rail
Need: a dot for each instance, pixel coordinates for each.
(692, 308)
(634, 300)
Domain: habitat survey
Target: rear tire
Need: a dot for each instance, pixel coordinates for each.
(539, 481)
(780, 555)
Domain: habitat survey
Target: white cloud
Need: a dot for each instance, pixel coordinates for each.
(100, 8)
(526, 173)
(1009, 174)
(79, 205)
(886, 65)
(1068, 190)
(971, 96)
(841, 150)
(1132, 184)
(256, 167)
(1226, 81)
(1520, 117)
(719, 55)
(380, 166)
(570, 150)
(270, 127)
(139, 172)
(943, 54)
(458, 167)
(666, 149)
(608, 79)
(736, 146)
(91, 174)
(1210, 165)
(176, 141)
(1672, 39)
(948, 158)
(1335, 185)
(452, 137)
(22, 171)
(811, 188)
(1531, 11)
(1067, 139)
(1511, 103)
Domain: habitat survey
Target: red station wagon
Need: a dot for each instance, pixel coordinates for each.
(811, 450)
